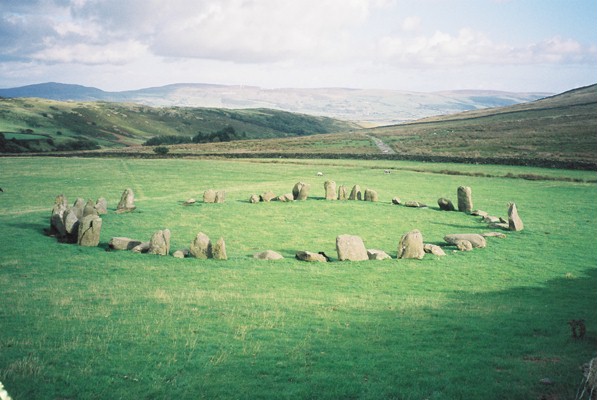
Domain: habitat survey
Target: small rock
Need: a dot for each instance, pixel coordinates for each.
(433, 249)
(375, 254)
(310, 257)
(141, 248)
(267, 197)
(268, 255)
(445, 204)
(476, 240)
(190, 201)
(494, 234)
(254, 199)
(463, 245)
(123, 243)
(396, 200)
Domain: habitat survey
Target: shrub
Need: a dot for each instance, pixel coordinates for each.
(161, 150)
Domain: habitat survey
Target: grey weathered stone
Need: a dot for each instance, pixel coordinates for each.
(182, 253)
(123, 243)
(414, 204)
(342, 192)
(375, 254)
(189, 202)
(57, 217)
(514, 221)
(445, 204)
(71, 224)
(296, 190)
(101, 206)
(254, 199)
(220, 196)
(160, 243)
(219, 250)
(89, 231)
(304, 192)
(330, 190)
(89, 208)
(490, 219)
(476, 240)
(267, 197)
(433, 249)
(141, 248)
(268, 255)
(355, 193)
(351, 248)
(494, 234)
(411, 245)
(310, 257)
(396, 200)
(209, 196)
(285, 198)
(79, 207)
(465, 199)
(371, 195)
(499, 225)
(463, 245)
(479, 213)
(127, 201)
(201, 246)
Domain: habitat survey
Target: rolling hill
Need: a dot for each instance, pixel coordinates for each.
(369, 107)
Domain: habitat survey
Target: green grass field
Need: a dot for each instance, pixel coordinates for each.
(86, 323)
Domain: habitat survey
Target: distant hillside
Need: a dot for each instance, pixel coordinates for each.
(45, 125)
(559, 131)
(372, 107)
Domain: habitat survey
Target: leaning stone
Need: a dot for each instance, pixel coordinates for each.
(465, 199)
(476, 240)
(89, 208)
(254, 199)
(57, 218)
(411, 245)
(89, 231)
(296, 190)
(209, 196)
(201, 246)
(374, 254)
(396, 200)
(371, 195)
(514, 221)
(190, 201)
(494, 234)
(330, 190)
(464, 245)
(267, 197)
(268, 255)
(127, 201)
(101, 206)
(219, 250)
(304, 192)
(355, 193)
(79, 207)
(160, 243)
(220, 196)
(445, 204)
(342, 192)
(141, 248)
(433, 249)
(123, 243)
(351, 248)
(71, 225)
(310, 257)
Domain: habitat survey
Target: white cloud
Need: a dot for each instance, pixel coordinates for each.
(91, 54)
(412, 23)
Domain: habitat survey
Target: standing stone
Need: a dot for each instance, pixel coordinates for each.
(374, 254)
(514, 221)
(304, 192)
(89, 208)
(355, 193)
(465, 199)
(79, 207)
(201, 246)
(445, 204)
(101, 206)
(254, 199)
(209, 196)
(89, 231)
(127, 201)
(310, 257)
(219, 250)
(160, 243)
(411, 245)
(433, 249)
(330, 190)
(220, 196)
(351, 248)
(476, 240)
(267, 197)
(342, 192)
(296, 190)
(57, 218)
(371, 195)
(71, 225)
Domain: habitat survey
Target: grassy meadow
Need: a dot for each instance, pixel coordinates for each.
(87, 323)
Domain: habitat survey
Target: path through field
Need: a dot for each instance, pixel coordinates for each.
(384, 148)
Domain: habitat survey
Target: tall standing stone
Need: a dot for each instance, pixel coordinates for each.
(127, 201)
(219, 250)
(79, 207)
(220, 196)
(304, 192)
(330, 190)
(296, 190)
(355, 193)
(57, 217)
(71, 225)
(89, 208)
(465, 199)
(411, 245)
(89, 231)
(371, 195)
(514, 221)
(351, 248)
(201, 246)
(160, 243)
(209, 196)
(342, 192)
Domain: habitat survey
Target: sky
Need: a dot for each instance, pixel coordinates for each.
(413, 45)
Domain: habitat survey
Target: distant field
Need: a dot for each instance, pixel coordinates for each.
(87, 323)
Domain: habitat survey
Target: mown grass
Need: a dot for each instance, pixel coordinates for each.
(86, 323)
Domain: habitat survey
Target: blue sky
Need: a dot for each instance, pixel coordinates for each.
(424, 45)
